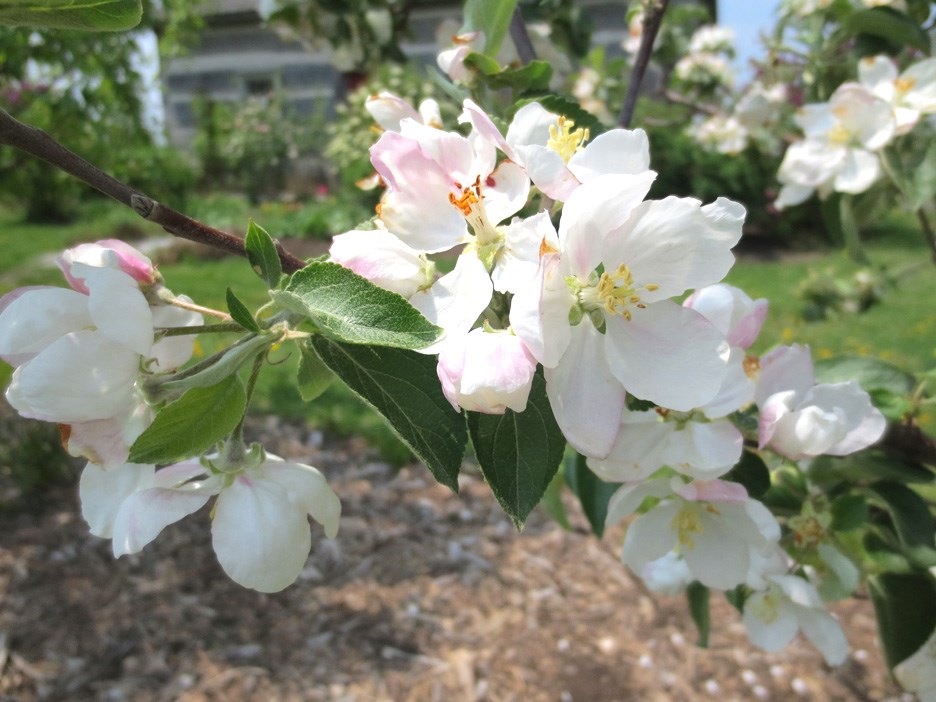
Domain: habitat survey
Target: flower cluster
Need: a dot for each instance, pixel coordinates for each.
(844, 136)
(86, 357)
(647, 388)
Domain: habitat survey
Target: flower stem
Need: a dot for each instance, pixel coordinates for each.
(177, 302)
(233, 327)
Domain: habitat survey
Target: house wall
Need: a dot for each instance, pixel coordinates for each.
(238, 57)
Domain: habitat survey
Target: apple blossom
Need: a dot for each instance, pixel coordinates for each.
(388, 110)
(714, 525)
(555, 156)
(599, 335)
(800, 419)
(911, 93)
(260, 531)
(384, 260)
(486, 371)
(789, 604)
(838, 152)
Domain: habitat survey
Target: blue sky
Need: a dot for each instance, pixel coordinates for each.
(748, 18)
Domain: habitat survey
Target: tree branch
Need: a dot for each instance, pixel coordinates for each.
(653, 17)
(928, 233)
(39, 144)
(521, 37)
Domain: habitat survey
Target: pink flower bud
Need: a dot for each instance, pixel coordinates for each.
(107, 253)
(486, 372)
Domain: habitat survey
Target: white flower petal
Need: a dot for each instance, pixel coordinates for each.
(308, 489)
(80, 377)
(261, 538)
(118, 308)
(32, 318)
(769, 625)
(615, 151)
(581, 382)
(595, 210)
(650, 537)
(103, 491)
(667, 354)
(173, 351)
(144, 514)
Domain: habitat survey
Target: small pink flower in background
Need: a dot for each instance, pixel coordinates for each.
(486, 371)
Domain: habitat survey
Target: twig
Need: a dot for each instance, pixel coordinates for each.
(677, 99)
(927, 232)
(653, 17)
(37, 143)
(521, 37)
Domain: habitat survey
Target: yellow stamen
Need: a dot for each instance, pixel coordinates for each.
(564, 140)
(686, 523)
(903, 85)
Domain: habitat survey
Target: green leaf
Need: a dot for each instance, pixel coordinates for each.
(404, 388)
(533, 77)
(491, 17)
(905, 605)
(240, 313)
(88, 15)
(752, 473)
(593, 492)
(892, 26)
(552, 500)
(262, 254)
(698, 597)
(519, 452)
(351, 309)
(849, 512)
(193, 424)
(867, 467)
(871, 373)
(912, 521)
(313, 377)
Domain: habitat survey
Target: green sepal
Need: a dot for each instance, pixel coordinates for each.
(193, 424)
(404, 389)
(349, 308)
(262, 254)
(519, 452)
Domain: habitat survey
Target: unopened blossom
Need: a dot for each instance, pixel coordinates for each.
(486, 371)
(773, 616)
(714, 525)
(600, 335)
(800, 419)
(107, 253)
(842, 136)
(452, 60)
(557, 155)
(911, 93)
(388, 110)
(260, 530)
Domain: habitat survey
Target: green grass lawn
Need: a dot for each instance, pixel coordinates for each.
(901, 330)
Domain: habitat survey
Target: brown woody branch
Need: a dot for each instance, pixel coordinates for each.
(653, 18)
(39, 144)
